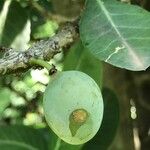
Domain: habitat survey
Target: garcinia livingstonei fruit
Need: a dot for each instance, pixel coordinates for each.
(73, 106)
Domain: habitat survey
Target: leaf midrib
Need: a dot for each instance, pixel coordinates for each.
(132, 53)
(8, 142)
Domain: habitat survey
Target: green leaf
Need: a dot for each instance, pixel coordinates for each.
(4, 99)
(110, 122)
(117, 33)
(80, 59)
(14, 20)
(21, 138)
(55, 143)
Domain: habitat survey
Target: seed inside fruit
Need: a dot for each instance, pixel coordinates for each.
(73, 106)
(77, 118)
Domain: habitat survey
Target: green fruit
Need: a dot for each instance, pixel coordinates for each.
(73, 106)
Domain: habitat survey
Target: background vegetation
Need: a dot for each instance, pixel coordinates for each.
(22, 123)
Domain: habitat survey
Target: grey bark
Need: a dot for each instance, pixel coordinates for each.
(15, 61)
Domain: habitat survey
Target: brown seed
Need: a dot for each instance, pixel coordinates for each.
(79, 116)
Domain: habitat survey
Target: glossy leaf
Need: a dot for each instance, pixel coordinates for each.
(107, 131)
(80, 59)
(14, 20)
(117, 33)
(21, 138)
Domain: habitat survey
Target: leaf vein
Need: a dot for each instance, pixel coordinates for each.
(135, 57)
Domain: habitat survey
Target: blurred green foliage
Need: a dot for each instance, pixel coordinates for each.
(22, 23)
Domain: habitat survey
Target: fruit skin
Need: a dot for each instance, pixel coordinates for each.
(70, 91)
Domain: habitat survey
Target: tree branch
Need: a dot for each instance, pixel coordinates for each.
(15, 61)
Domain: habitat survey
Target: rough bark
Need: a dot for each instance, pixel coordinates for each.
(14, 61)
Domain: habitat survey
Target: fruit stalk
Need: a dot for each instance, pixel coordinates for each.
(41, 63)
